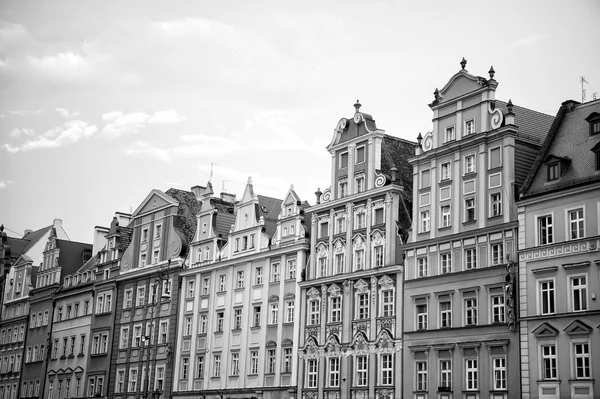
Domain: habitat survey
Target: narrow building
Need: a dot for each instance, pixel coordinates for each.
(238, 315)
(559, 260)
(351, 289)
(142, 353)
(460, 338)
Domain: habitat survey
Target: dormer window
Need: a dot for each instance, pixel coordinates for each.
(449, 136)
(343, 160)
(555, 167)
(553, 171)
(594, 120)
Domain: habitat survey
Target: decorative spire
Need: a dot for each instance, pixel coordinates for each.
(436, 94)
(463, 63)
(249, 180)
(419, 139)
(492, 72)
(318, 194)
(357, 106)
(509, 106)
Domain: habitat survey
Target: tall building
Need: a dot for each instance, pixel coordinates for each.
(142, 355)
(351, 290)
(60, 258)
(237, 317)
(460, 337)
(559, 259)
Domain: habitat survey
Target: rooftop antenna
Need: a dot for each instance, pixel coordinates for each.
(582, 89)
(211, 172)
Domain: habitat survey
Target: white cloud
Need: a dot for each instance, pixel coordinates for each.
(59, 62)
(120, 124)
(25, 112)
(68, 133)
(22, 132)
(143, 149)
(5, 183)
(65, 113)
(526, 41)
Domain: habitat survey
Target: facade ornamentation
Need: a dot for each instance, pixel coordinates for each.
(380, 179)
(497, 116)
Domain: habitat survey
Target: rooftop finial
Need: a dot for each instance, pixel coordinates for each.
(463, 63)
(357, 106)
(249, 179)
(419, 139)
(492, 72)
(436, 94)
(509, 106)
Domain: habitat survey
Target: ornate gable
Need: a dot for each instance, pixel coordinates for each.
(155, 200)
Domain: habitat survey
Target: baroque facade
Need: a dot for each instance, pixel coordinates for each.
(463, 243)
(351, 290)
(559, 259)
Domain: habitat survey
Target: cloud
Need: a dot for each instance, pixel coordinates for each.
(24, 112)
(22, 132)
(526, 41)
(65, 113)
(68, 133)
(120, 124)
(5, 183)
(143, 149)
(59, 62)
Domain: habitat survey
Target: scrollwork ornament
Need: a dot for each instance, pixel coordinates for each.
(496, 120)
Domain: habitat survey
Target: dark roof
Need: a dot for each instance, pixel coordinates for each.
(395, 152)
(568, 138)
(73, 255)
(224, 216)
(532, 124)
(185, 221)
(17, 247)
(353, 129)
(269, 208)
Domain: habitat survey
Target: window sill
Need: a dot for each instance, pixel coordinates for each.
(288, 323)
(236, 330)
(219, 333)
(468, 222)
(469, 175)
(445, 182)
(239, 289)
(444, 228)
(495, 217)
(591, 380)
(98, 354)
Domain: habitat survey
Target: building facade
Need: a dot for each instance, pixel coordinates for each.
(351, 289)
(460, 337)
(559, 260)
(147, 295)
(238, 315)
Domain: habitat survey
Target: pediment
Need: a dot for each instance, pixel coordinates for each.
(460, 84)
(155, 200)
(545, 330)
(291, 198)
(578, 327)
(248, 192)
(271, 344)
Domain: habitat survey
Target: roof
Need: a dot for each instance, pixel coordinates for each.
(35, 236)
(269, 208)
(568, 138)
(189, 207)
(73, 255)
(395, 152)
(532, 124)
(224, 217)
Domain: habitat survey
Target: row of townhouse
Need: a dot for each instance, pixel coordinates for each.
(464, 265)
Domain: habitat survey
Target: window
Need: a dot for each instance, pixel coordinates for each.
(200, 367)
(387, 303)
(495, 160)
(421, 376)
(143, 260)
(343, 160)
(545, 230)
(271, 361)
(217, 365)
(163, 329)
(334, 372)
(137, 336)
(340, 224)
(342, 188)
(471, 377)
(64, 346)
(220, 319)
(324, 229)
(141, 294)
(469, 127)
(548, 362)
(445, 222)
(273, 313)
(128, 298)
(237, 319)
(360, 220)
(498, 308)
(191, 288)
(205, 286)
(499, 372)
(222, 282)
(203, 323)
(362, 306)
(581, 352)
(497, 254)
(60, 314)
(314, 311)
(253, 362)
(124, 341)
(133, 376)
(159, 378)
(422, 317)
(275, 273)
(446, 263)
(387, 369)
(360, 154)
(470, 164)
(471, 311)
(166, 288)
(470, 210)
(361, 370)
(291, 269)
(99, 383)
(187, 326)
(553, 171)
(359, 259)
(311, 373)
(377, 216)
(579, 293)
(445, 314)
(185, 367)
(46, 315)
(378, 255)
(495, 204)
(547, 296)
(289, 311)
(445, 374)
(158, 231)
(339, 263)
(240, 279)
(445, 171)
(287, 360)
(425, 222)
(470, 258)
(235, 363)
(425, 178)
(449, 135)
(422, 269)
(359, 182)
(335, 309)
(258, 276)
(256, 316)
(145, 235)
(155, 257)
(576, 224)
(244, 243)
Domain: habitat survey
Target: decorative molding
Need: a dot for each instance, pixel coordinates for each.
(563, 249)
(361, 287)
(380, 179)
(334, 291)
(497, 117)
(326, 197)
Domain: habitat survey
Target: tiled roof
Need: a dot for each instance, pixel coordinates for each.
(73, 255)
(532, 124)
(569, 138)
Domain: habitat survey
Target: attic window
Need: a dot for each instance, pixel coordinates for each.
(360, 154)
(553, 171)
(594, 120)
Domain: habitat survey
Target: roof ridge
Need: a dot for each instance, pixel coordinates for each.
(528, 109)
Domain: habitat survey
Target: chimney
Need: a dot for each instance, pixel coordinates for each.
(228, 197)
(99, 241)
(27, 231)
(123, 218)
(57, 223)
(198, 191)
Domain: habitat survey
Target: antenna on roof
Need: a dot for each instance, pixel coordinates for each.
(211, 172)
(582, 89)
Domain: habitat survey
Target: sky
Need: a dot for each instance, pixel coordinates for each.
(103, 101)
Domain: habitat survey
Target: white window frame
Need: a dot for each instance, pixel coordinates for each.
(312, 373)
(386, 364)
(361, 370)
(497, 308)
(333, 371)
(552, 361)
(541, 299)
(449, 134)
(470, 311)
(425, 224)
(445, 312)
(446, 263)
(569, 223)
(445, 367)
(471, 123)
(471, 374)
(258, 275)
(549, 235)
(445, 217)
(499, 376)
(583, 356)
(495, 206)
(273, 313)
(445, 171)
(421, 376)
(470, 258)
(583, 296)
(335, 309)
(422, 267)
